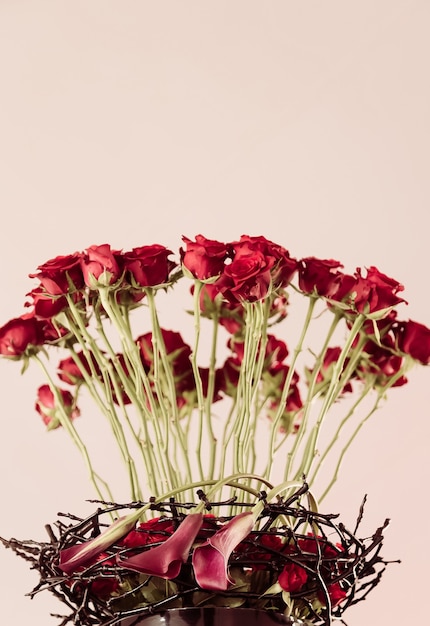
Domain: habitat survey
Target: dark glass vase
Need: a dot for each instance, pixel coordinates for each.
(217, 616)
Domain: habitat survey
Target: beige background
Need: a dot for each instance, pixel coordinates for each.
(136, 122)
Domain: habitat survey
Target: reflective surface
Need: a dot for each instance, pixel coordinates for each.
(210, 617)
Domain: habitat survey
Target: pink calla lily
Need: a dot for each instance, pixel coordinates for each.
(71, 559)
(210, 560)
(165, 560)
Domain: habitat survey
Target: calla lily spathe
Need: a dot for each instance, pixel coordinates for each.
(210, 560)
(165, 560)
(71, 559)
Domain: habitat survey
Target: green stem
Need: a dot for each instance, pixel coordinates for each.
(248, 382)
(109, 411)
(339, 429)
(227, 435)
(329, 398)
(68, 426)
(310, 396)
(286, 389)
(210, 392)
(139, 393)
(261, 334)
(381, 393)
(166, 372)
(91, 351)
(202, 418)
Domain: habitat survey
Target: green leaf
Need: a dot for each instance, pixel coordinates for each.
(273, 590)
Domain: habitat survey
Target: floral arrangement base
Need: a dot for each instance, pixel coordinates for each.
(296, 566)
(212, 616)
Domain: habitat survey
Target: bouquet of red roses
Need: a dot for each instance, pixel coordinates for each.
(240, 407)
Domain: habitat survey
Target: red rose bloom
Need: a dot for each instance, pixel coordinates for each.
(247, 277)
(204, 258)
(178, 355)
(319, 276)
(370, 294)
(177, 350)
(61, 275)
(230, 314)
(257, 551)
(414, 339)
(105, 585)
(71, 373)
(100, 263)
(229, 376)
(45, 305)
(47, 407)
(148, 266)
(276, 350)
(284, 267)
(153, 531)
(293, 577)
(336, 594)
(257, 266)
(19, 334)
(317, 545)
(382, 362)
(325, 374)
(51, 333)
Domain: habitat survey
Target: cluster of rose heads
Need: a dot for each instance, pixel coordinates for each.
(245, 287)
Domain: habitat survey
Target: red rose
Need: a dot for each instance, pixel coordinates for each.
(61, 275)
(178, 355)
(257, 266)
(100, 264)
(204, 376)
(229, 376)
(293, 577)
(98, 574)
(51, 333)
(376, 291)
(319, 276)
(325, 374)
(414, 339)
(336, 594)
(276, 350)
(318, 545)
(204, 258)
(45, 305)
(72, 373)
(148, 266)
(20, 334)
(284, 267)
(105, 585)
(256, 551)
(153, 531)
(274, 382)
(247, 277)
(382, 362)
(48, 409)
(370, 294)
(230, 314)
(277, 375)
(177, 350)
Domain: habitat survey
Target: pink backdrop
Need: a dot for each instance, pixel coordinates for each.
(136, 122)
